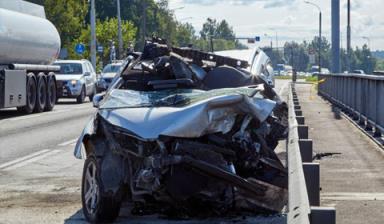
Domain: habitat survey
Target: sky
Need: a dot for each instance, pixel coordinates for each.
(290, 19)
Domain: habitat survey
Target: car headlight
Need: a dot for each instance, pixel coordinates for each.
(74, 82)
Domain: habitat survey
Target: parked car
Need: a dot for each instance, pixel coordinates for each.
(76, 79)
(108, 74)
(358, 71)
(184, 138)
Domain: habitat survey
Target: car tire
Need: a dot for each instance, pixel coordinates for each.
(31, 95)
(41, 96)
(81, 97)
(51, 92)
(98, 206)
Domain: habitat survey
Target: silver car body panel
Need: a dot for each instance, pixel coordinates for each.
(213, 115)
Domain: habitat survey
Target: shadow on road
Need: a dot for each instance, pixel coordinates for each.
(76, 218)
(8, 113)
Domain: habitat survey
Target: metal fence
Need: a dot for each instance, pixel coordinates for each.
(360, 96)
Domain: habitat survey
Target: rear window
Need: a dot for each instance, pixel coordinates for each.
(70, 68)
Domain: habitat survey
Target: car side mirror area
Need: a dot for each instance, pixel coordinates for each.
(97, 99)
(87, 74)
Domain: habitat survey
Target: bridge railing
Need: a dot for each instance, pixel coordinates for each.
(360, 96)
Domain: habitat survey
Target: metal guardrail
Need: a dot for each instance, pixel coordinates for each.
(298, 202)
(304, 175)
(360, 96)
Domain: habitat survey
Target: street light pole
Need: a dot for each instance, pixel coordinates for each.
(320, 29)
(349, 38)
(120, 35)
(93, 34)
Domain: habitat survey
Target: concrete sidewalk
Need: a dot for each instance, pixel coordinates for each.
(352, 181)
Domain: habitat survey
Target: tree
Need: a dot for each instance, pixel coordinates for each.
(106, 34)
(325, 51)
(296, 55)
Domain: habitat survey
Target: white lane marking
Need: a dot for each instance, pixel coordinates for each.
(23, 158)
(29, 161)
(68, 142)
(24, 117)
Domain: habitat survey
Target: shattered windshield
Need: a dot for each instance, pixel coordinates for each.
(175, 97)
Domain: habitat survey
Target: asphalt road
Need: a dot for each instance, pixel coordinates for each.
(39, 177)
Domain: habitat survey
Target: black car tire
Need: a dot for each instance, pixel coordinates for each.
(106, 206)
(31, 95)
(81, 97)
(41, 96)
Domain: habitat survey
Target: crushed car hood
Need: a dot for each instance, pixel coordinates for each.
(213, 115)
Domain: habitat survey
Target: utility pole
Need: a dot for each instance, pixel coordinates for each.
(119, 30)
(93, 34)
(349, 37)
(144, 23)
(320, 29)
(335, 36)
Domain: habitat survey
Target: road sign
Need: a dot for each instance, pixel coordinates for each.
(80, 48)
(100, 49)
(312, 59)
(257, 39)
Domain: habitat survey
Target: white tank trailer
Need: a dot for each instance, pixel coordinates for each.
(29, 44)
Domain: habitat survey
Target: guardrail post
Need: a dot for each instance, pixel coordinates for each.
(299, 113)
(306, 150)
(323, 215)
(303, 131)
(300, 120)
(312, 180)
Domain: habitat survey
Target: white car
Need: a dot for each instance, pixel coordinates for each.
(108, 74)
(76, 79)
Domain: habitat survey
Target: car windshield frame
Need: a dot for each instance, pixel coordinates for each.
(123, 98)
(73, 68)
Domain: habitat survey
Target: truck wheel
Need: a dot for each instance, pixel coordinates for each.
(98, 206)
(41, 96)
(51, 92)
(81, 98)
(31, 95)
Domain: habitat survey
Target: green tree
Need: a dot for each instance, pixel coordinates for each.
(106, 33)
(296, 55)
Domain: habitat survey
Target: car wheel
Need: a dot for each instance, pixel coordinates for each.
(98, 206)
(81, 98)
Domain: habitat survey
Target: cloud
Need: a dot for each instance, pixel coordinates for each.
(278, 3)
(267, 3)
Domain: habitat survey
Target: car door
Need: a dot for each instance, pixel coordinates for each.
(93, 77)
(87, 78)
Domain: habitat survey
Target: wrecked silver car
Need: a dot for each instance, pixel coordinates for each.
(185, 134)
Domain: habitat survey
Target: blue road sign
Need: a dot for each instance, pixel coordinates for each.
(257, 39)
(80, 48)
(100, 49)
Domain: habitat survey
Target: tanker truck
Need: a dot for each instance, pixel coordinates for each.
(29, 44)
